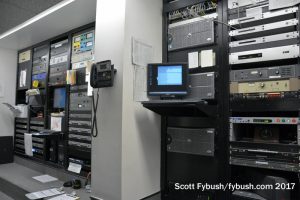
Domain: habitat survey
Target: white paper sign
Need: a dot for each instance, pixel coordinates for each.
(74, 167)
(142, 53)
(56, 123)
(45, 178)
(28, 144)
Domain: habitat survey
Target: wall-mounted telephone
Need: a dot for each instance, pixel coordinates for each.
(102, 74)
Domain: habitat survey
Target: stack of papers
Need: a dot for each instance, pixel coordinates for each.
(45, 178)
(44, 194)
(65, 197)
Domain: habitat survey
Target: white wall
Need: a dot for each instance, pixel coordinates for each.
(107, 147)
(141, 127)
(8, 69)
(126, 154)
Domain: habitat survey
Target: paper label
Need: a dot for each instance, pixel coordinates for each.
(58, 45)
(193, 59)
(74, 167)
(89, 35)
(24, 56)
(56, 123)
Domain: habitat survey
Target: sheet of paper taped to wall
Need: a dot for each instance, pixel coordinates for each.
(142, 53)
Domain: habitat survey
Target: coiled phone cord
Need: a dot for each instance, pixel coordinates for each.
(94, 132)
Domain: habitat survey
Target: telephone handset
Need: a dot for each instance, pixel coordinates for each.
(102, 74)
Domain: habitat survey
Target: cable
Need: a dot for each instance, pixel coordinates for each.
(87, 179)
(200, 8)
(225, 24)
(219, 22)
(94, 131)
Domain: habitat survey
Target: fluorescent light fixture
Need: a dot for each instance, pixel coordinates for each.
(36, 18)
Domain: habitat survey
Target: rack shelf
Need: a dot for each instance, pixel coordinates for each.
(79, 152)
(182, 108)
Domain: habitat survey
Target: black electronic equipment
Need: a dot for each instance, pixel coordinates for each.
(6, 150)
(68, 184)
(38, 99)
(60, 152)
(242, 195)
(274, 194)
(75, 184)
(191, 33)
(167, 80)
(265, 194)
(52, 150)
(191, 141)
(265, 142)
(102, 74)
(266, 95)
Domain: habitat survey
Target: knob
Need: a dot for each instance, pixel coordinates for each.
(169, 139)
(260, 74)
(277, 72)
(262, 85)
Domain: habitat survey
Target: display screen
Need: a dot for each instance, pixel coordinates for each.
(169, 75)
(167, 79)
(59, 98)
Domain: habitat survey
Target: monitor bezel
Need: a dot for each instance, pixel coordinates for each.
(166, 90)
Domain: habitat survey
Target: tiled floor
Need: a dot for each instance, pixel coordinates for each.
(20, 178)
(4, 197)
(154, 197)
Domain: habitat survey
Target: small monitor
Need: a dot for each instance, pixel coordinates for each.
(59, 100)
(167, 79)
